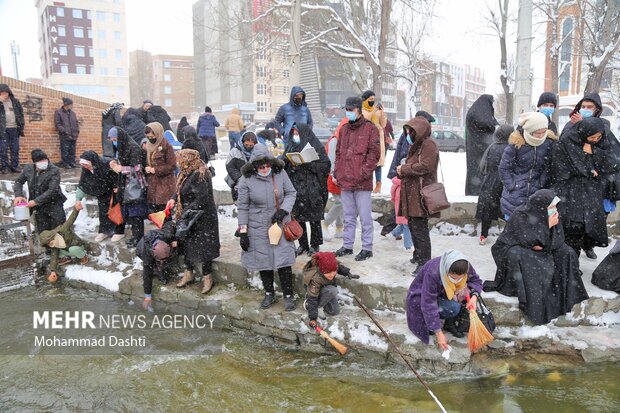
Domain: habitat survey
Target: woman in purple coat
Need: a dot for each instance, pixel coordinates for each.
(437, 292)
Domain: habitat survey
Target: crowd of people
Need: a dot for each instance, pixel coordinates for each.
(554, 193)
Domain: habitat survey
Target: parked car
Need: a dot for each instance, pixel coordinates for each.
(449, 141)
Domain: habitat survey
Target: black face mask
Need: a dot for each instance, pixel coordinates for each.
(153, 140)
(249, 149)
(371, 103)
(297, 100)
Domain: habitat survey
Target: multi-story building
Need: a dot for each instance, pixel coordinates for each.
(475, 86)
(83, 47)
(167, 80)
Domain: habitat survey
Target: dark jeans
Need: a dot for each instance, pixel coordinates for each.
(448, 308)
(10, 142)
(316, 235)
(233, 138)
(421, 239)
(137, 227)
(67, 152)
(105, 225)
(286, 280)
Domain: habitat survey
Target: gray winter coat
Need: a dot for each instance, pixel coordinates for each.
(257, 204)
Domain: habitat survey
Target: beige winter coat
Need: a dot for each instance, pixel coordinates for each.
(234, 123)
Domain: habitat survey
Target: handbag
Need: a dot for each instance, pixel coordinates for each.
(434, 197)
(484, 314)
(114, 212)
(186, 222)
(292, 230)
(135, 188)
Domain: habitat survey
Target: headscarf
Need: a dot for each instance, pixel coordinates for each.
(189, 161)
(447, 259)
(151, 148)
(529, 224)
(572, 143)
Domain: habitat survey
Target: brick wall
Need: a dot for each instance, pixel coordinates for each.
(39, 104)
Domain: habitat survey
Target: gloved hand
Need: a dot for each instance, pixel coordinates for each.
(244, 241)
(312, 324)
(278, 216)
(352, 276)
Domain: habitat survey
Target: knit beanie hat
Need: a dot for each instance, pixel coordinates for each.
(67, 101)
(38, 155)
(326, 261)
(531, 122)
(547, 97)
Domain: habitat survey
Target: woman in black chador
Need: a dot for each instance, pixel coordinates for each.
(580, 162)
(533, 262)
(480, 124)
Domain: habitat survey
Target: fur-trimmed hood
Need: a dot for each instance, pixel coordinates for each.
(260, 155)
(517, 139)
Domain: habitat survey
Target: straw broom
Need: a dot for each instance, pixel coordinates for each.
(478, 336)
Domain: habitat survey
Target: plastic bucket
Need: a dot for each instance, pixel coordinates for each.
(22, 212)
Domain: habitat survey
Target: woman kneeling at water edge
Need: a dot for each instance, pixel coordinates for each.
(534, 263)
(437, 292)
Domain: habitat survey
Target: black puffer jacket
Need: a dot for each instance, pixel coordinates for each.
(133, 125)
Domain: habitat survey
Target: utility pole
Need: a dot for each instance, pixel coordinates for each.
(15, 53)
(523, 77)
(294, 43)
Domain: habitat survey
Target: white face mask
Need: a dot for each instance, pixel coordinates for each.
(455, 280)
(42, 165)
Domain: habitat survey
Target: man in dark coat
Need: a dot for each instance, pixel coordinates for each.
(357, 154)
(154, 113)
(110, 118)
(295, 111)
(310, 181)
(207, 122)
(480, 124)
(580, 160)
(547, 103)
(68, 129)
(11, 128)
(533, 262)
(589, 106)
(157, 250)
(45, 197)
(488, 208)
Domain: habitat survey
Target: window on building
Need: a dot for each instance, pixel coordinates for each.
(79, 51)
(118, 53)
(103, 71)
(101, 16)
(567, 37)
(565, 79)
(101, 34)
(261, 89)
(167, 77)
(117, 35)
(91, 52)
(117, 18)
(168, 90)
(60, 12)
(103, 53)
(261, 106)
(261, 71)
(64, 68)
(120, 71)
(167, 103)
(261, 55)
(167, 64)
(286, 74)
(62, 49)
(77, 13)
(62, 31)
(285, 90)
(78, 32)
(89, 33)
(80, 69)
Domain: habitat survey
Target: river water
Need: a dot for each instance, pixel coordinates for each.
(252, 375)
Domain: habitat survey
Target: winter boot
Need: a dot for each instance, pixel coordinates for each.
(327, 236)
(339, 231)
(363, 255)
(377, 189)
(188, 278)
(268, 301)
(343, 251)
(289, 303)
(207, 283)
(300, 250)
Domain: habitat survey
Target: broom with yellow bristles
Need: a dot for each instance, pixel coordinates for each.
(478, 336)
(158, 218)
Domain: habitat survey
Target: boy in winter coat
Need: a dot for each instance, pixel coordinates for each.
(157, 250)
(320, 281)
(64, 245)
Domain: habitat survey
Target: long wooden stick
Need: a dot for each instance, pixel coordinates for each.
(387, 336)
(342, 349)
